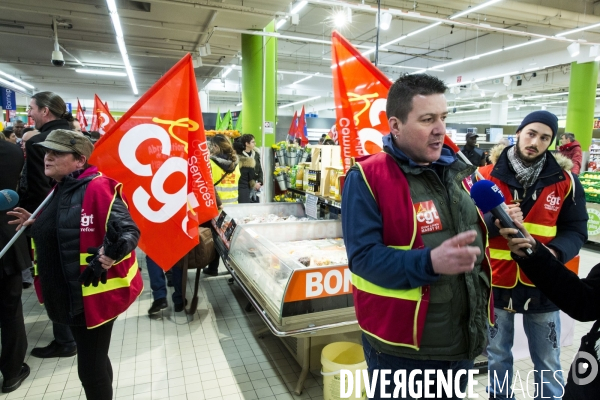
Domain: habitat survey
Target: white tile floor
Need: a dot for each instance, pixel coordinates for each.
(213, 355)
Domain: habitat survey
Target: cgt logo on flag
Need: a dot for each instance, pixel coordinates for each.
(158, 151)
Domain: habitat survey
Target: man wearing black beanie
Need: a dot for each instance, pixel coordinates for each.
(551, 204)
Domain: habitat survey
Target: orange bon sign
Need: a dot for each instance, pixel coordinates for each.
(315, 283)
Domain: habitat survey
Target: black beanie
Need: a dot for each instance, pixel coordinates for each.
(544, 117)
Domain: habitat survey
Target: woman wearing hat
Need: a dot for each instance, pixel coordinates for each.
(85, 243)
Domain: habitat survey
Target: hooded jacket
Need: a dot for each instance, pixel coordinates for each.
(573, 152)
(571, 226)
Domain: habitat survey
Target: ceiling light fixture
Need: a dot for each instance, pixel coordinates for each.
(13, 85)
(226, 72)
(471, 10)
(296, 9)
(339, 18)
(99, 72)
(594, 51)
(509, 96)
(386, 20)
(300, 102)
(302, 80)
(482, 93)
(114, 16)
(507, 80)
(14, 79)
(280, 23)
(574, 49)
(238, 104)
(585, 28)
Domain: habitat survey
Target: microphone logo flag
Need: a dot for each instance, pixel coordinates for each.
(158, 151)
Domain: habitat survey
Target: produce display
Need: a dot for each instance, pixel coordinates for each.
(591, 186)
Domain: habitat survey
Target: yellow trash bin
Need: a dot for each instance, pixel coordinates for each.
(334, 358)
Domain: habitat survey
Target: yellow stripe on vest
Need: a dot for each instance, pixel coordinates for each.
(500, 254)
(403, 294)
(84, 256)
(112, 284)
(540, 230)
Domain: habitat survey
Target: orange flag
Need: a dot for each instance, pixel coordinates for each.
(360, 92)
(102, 121)
(158, 151)
(81, 117)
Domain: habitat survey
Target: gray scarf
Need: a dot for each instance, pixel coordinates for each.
(525, 174)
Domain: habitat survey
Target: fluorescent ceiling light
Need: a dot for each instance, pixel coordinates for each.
(114, 16)
(99, 72)
(585, 28)
(280, 23)
(473, 9)
(14, 79)
(300, 102)
(525, 44)
(238, 104)
(226, 72)
(302, 80)
(12, 85)
(423, 29)
(296, 9)
(340, 18)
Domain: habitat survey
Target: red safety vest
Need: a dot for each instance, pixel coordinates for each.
(374, 304)
(540, 222)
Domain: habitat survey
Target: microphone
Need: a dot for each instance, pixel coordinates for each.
(489, 198)
(8, 199)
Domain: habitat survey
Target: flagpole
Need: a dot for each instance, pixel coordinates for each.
(266, 182)
(20, 231)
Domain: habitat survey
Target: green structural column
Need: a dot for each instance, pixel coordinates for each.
(582, 102)
(252, 85)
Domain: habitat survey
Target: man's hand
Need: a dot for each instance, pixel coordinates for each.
(257, 186)
(453, 256)
(515, 213)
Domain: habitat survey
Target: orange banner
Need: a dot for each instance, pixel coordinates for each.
(102, 121)
(81, 117)
(360, 93)
(158, 151)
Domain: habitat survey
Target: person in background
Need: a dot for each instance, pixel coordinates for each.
(85, 254)
(225, 176)
(329, 142)
(247, 183)
(75, 125)
(27, 134)
(322, 138)
(570, 148)
(539, 191)
(158, 284)
(473, 153)
(10, 135)
(18, 129)
(49, 112)
(579, 298)
(249, 151)
(396, 261)
(17, 259)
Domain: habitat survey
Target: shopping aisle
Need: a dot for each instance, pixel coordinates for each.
(215, 356)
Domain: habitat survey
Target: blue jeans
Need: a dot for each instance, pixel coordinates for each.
(158, 281)
(543, 336)
(376, 360)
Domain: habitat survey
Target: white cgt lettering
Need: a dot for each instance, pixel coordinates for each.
(172, 203)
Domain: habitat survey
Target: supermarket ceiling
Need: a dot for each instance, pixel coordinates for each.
(472, 45)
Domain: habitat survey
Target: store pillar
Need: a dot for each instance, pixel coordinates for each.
(581, 105)
(259, 98)
(259, 86)
(499, 112)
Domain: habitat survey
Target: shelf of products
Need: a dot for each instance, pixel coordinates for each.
(594, 161)
(591, 186)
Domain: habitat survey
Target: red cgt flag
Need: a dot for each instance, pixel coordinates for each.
(301, 130)
(102, 121)
(293, 126)
(81, 117)
(360, 92)
(158, 151)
